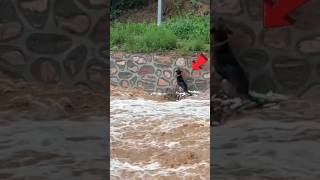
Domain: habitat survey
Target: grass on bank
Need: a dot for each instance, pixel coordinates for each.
(186, 34)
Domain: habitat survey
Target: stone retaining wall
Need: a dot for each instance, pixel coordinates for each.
(55, 41)
(156, 72)
(285, 60)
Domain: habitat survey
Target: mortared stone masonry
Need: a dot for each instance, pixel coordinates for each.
(55, 41)
(285, 59)
(156, 72)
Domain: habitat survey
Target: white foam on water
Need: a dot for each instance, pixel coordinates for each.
(147, 117)
(138, 111)
(195, 93)
(118, 165)
(186, 108)
(154, 169)
(173, 144)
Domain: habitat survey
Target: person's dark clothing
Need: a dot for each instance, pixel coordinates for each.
(182, 84)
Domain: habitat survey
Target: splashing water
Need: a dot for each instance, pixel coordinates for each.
(160, 140)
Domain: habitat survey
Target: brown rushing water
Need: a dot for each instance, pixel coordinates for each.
(51, 132)
(282, 143)
(157, 140)
(51, 149)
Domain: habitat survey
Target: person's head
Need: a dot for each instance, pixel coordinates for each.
(178, 71)
(220, 31)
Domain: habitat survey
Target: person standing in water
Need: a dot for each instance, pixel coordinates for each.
(181, 82)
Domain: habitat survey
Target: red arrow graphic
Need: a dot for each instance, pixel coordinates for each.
(276, 14)
(201, 60)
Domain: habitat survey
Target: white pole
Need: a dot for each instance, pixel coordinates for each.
(159, 12)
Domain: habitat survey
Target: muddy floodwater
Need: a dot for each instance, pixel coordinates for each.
(157, 140)
(51, 149)
(50, 133)
(281, 143)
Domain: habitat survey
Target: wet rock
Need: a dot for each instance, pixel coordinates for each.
(132, 67)
(149, 78)
(167, 74)
(124, 84)
(35, 11)
(121, 64)
(195, 74)
(159, 90)
(48, 43)
(163, 82)
(189, 80)
(97, 73)
(46, 70)
(139, 60)
(95, 4)
(146, 85)
(181, 62)
(35, 5)
(146, 70)
(114, 80)
(206, 75)
(158, 72)
(202, 85)
(10, 30)
(163, 61)
(125, 75)
(14, 58)
(133, 81)
(75, 60)
(117, 55)
(113, 71)
(76, 24)
(310, 45)
(276, 38)
(193, 88)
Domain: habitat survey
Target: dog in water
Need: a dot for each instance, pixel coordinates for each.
(226, 64)
(181, 83)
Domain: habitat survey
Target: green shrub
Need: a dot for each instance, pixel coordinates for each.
(194, 2)
(185, 33)
(190, 27)
(141, 37)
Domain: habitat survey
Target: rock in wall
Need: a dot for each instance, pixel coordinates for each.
(286, 59)
(55, 41)
(156, 73)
